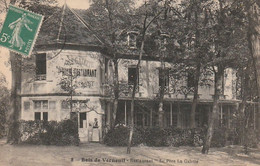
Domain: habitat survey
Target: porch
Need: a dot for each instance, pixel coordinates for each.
(176, 113)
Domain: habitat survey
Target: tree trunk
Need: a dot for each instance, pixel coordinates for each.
(197, 71)
(214, 114)
(162, 92)
(145, 27)
(242, 107)
(116, 93)
(254, 47)
(133, 97)
(131, 126)
(195, 97)
(16, 65)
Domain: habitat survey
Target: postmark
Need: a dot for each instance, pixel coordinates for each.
(20, 30)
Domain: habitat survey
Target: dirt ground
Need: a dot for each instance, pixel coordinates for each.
(98, 154)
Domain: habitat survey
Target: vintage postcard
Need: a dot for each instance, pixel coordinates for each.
(129, 82)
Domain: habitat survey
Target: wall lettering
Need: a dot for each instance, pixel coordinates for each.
(78, 72)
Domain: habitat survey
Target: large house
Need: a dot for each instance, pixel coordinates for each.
(71, 75)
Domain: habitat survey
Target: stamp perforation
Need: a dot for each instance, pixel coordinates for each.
(25, 53)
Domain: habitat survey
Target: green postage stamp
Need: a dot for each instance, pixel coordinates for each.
(20, 30)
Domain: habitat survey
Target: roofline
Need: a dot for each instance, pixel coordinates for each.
(96, 48)
(66, 46)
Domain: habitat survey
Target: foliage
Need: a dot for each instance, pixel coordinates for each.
(49, 132)
(185, 137)
(4, 105)
(176, 137)
(120, 134)
(156, 137)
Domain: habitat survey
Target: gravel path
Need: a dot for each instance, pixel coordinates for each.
(97, 154)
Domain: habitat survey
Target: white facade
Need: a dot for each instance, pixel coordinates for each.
(45, 98)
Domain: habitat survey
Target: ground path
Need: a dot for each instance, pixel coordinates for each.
(97, 154)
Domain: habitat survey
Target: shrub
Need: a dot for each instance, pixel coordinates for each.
(13, 133)
(49, 132)
(156, 137)
(251, 138)
(219, 137)
(119, 136)
(185, 137)
(175, 137)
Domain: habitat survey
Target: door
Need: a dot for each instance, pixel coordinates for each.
(83, 127)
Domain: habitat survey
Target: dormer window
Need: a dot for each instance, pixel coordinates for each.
(131, 39)
(255, 9)
(163, 40)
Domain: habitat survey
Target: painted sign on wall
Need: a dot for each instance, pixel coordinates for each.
(81, 72)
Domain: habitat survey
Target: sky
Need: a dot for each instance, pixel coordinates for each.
(84, 4)
(4, 53)
(78, 4)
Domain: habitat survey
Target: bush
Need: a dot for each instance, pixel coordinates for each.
(219, 137)
(185, 137)
(251, 138)
(156, 137)
(119, 136)
(49, 132)
(175, 137)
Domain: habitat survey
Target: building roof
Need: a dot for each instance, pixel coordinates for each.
(65, 28)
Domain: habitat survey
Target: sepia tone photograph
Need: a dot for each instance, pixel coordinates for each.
(129, 82)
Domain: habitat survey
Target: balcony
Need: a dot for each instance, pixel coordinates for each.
(125, 90)
(40, 77)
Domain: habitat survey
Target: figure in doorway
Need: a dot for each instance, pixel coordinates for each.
(96, 135)
(95, 124)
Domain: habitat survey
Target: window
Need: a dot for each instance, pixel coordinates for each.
(26, 105)
(41, 66)
(40, 104)
(37, 116)
(45, 104)
(82, 117)
(164, 77)
(223, 77)
(133, 74)
(45, 116)
(52, 104)
(37, 104)
(131, 39)
(163, 43)
(106, 65)
(190, 80)
(77, 104)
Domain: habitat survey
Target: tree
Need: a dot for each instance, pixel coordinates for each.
(4, 105)
(149, 16)
(110, 18)
(247, 68)
(16, 69)
(225, 50)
